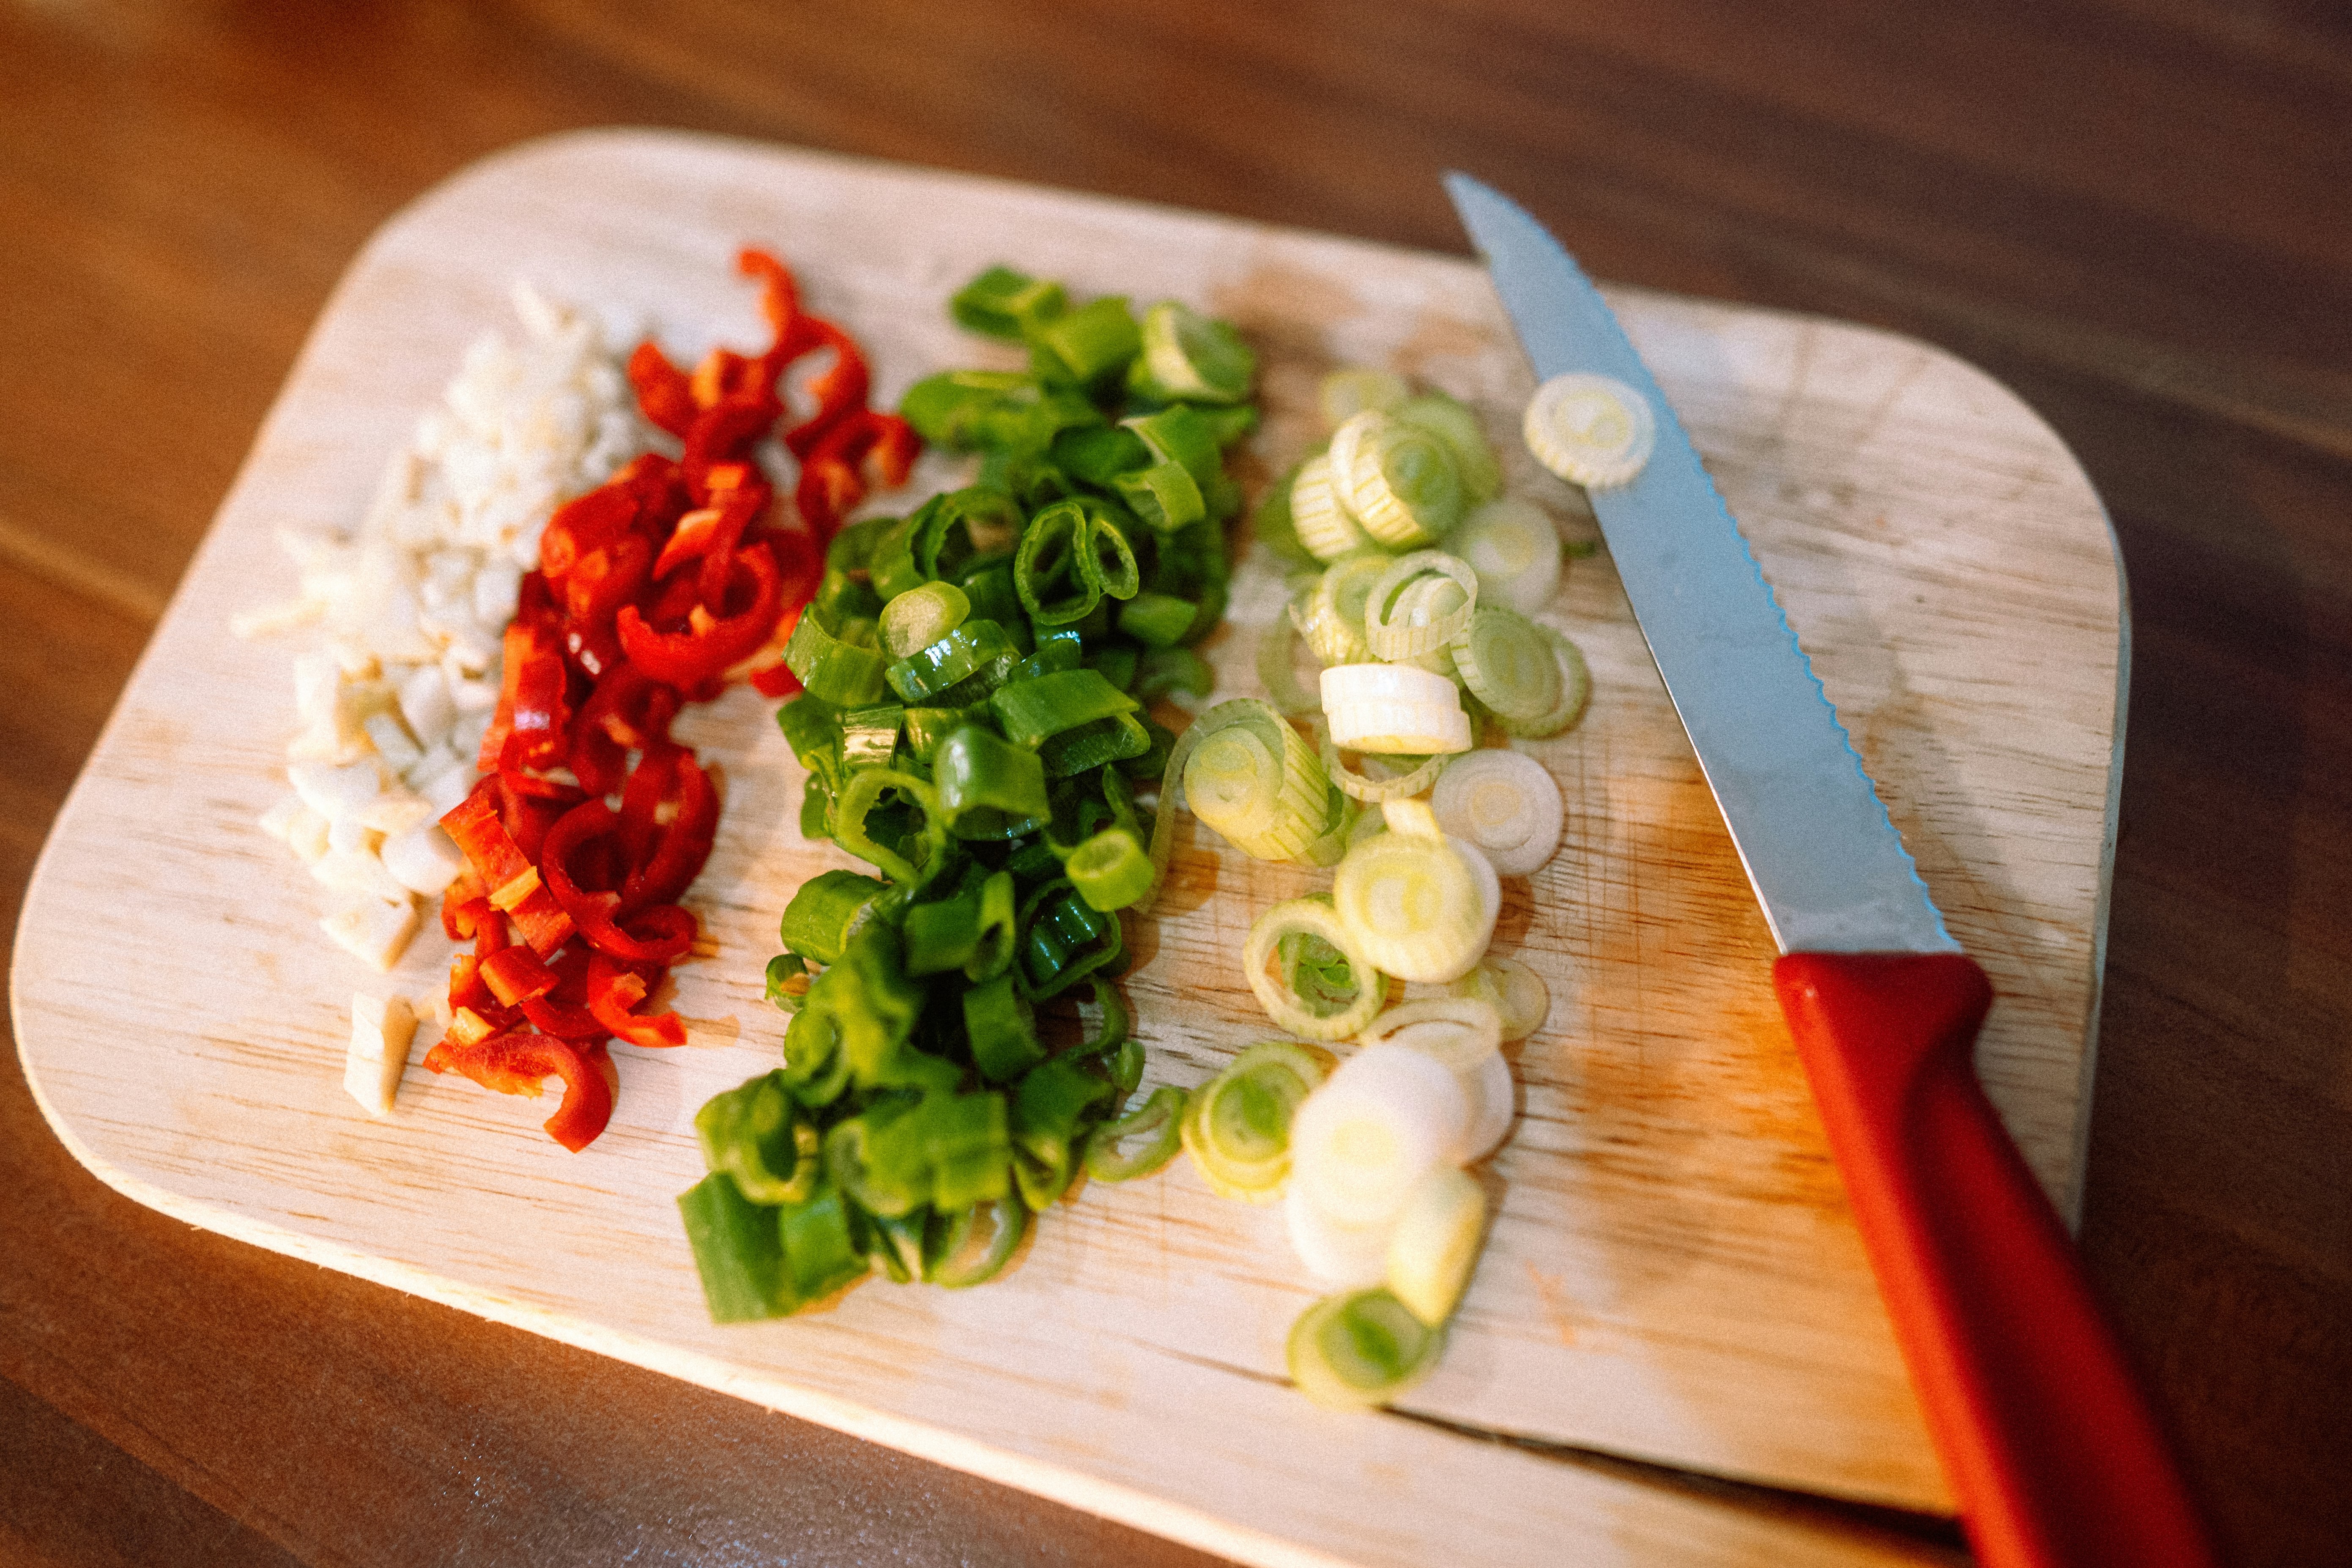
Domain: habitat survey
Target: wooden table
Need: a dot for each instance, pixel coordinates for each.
(2136, 215)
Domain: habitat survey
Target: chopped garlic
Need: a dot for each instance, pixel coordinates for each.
(382, 1030)
(373, 929)
(393, 703)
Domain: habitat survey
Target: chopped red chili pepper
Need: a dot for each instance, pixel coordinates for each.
(517, 1064)
(664, 392)
(613, 991)
(703, 652)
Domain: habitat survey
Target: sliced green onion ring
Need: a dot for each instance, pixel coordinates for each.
(1517, 992)
(1290, 1011)
(838, 670)
(1575, 689)
(1141, 1141)
(1399, 479)
(1401, 623)
(921, 616)
(1515, 548)
(1425, 772)
(1317, 515)
(1236, 1126)
(1355, 1351)
(1453, 422)
(1433, 1245)
(1591, 430)
(1509, 664)
(973, 1245)
(1189, 355)
(1255, 780)
(1418, 907)
(1385, 1119)
(1506, 804)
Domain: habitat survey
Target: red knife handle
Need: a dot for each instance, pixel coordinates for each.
(2049, 1447)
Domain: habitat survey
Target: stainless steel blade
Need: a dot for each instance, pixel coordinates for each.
(1826, 863)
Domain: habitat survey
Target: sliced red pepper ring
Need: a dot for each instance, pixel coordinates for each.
(687, 659)
(664, 394)
(595, 912)
(840, 389)
(613, 991)
(564, 1020)
(517, 1064)
(684, 845)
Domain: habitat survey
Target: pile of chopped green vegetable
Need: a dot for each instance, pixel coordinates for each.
(973, 728)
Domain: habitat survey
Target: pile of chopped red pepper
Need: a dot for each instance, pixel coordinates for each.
(652, 592)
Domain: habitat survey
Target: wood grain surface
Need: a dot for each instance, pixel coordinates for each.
(1672, 1273)
(2131, 213)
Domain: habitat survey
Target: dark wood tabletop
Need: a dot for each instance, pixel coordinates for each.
(2136, 213)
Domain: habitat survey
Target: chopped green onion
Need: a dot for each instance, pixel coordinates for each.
(737, 1251)
(1155, 1128)
(921, 616)
(844, 670)
(1252, 777)
(826, 911)
(1033, 710)
(758, 1135)
(1189, 355)
(1236, 1126)
(1110, 870)
(1352, 1352)
(1157, 620)
(1063, 939)
(1451, 422)
(1433, 1245)
(1506, 804)
(1515, 550)
(1419, 602)
(932, 673)
(1003, 303)
(975, 1244)
(1165, 495)
(996, 1019)
(857, 802)
(1088, 342)
(1416, 907)
(1299, 1014)
(1319, 514)
(988, 787)
(1575, 688)
(869, 736)
(1400, 481)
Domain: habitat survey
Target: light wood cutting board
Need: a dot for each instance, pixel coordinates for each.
(1673, 1275)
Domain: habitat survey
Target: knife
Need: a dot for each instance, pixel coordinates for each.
(2049, 1447)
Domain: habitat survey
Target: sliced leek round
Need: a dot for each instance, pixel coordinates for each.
(1459, 1033)
(1360, 1144)
(1332, 1017)
(1400, 480)
(1506, 804)
(1515, 550)
(1278, 668)
(1491, 1108)
(1332, 618)
(1421, 603)
(1433, 1244)
(1591, 430)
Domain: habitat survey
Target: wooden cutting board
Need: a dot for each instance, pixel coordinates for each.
(1673, 1275)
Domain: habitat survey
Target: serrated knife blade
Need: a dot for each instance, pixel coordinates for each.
(2049, 1448)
